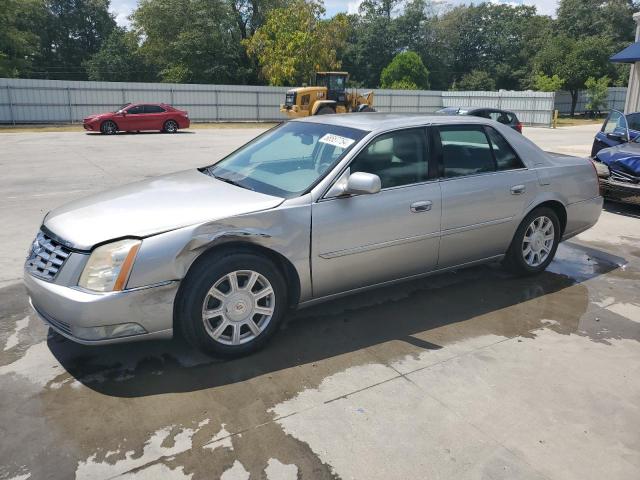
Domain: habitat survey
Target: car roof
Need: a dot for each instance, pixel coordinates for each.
(387, 121)
(475, 109)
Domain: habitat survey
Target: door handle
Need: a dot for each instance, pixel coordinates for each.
(518, 189)
(423, 206)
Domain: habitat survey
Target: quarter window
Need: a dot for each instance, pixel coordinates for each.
(465, 150)
(398, 158)
(506, 158)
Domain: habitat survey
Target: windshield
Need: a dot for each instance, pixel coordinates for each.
(287, 160)
(121, 108)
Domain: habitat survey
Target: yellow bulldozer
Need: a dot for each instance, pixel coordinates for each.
(327, 95)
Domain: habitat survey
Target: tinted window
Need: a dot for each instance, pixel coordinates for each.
(502, 117)
(135, 110)
(633, 119)
(465, 150)
(506, 158)
(153, 109)
(398, 158)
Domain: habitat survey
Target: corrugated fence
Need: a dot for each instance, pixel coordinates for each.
(62, 101)
(615, 100)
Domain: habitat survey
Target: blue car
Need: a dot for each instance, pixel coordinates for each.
(616, 152)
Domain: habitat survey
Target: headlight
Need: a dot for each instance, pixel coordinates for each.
(109, 266)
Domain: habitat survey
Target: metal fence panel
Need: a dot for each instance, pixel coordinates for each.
(60, 101)
(615, 100)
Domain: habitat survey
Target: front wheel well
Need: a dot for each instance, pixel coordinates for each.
(280, 261)
(559, 209)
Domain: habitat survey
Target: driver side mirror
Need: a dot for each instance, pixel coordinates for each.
(362, 183)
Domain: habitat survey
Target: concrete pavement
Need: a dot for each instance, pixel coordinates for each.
(472, 374)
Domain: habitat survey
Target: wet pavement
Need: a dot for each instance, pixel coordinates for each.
(473, 374)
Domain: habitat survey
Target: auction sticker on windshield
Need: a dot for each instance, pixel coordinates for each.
(337, 140)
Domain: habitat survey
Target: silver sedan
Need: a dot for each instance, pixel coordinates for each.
(308, 211)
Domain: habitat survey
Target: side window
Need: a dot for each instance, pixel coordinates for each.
(506, 158)
(398, 158)
(153, 109)
(135, 110)
(633, 120)
(465, 150)
(615, 122)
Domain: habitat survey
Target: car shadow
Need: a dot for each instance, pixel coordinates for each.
(626, 209)
(147, 132)
(412, 317)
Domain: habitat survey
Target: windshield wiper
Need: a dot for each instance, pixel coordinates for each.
(229, 181)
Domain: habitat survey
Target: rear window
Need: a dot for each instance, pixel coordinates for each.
(506, 157)
(503, 117)
(465, 150)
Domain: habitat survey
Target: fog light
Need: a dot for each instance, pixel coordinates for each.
(108, 331)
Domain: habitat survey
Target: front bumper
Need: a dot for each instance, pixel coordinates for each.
(73, 312)
(620, 191)
(90, 126)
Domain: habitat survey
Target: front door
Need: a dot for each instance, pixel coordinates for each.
(133, 120)
(362, 240)
(485, 189)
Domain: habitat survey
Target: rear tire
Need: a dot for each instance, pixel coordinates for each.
(108, 127)
(231, 303)
(535, 243)
(325, 111)
(170, 126)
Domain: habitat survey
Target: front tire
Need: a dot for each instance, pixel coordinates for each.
(535, 243)
(231, 304)
(109, 128)
(170, 126)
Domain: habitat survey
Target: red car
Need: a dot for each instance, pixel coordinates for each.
(134, 117)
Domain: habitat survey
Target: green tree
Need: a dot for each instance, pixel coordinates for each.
(546, 83)
(70, 32)
(18, 41)
(373, 40)
(503, 47)
(296, 41)
(407, 71)
(589, 18)
(575, 61)
(476, 80)
(597, 93)
(195, 41)
(119, 60)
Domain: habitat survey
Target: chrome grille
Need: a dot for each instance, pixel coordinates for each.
(46, 257)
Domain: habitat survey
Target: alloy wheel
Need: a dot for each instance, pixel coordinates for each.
(238, 307)
(538, 241)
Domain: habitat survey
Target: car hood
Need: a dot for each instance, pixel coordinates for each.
(625, 157)
(98, 116)
(152, 206)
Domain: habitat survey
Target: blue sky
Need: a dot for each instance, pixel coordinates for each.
(122, 8)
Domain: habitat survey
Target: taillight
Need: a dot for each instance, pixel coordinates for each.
(519, 127)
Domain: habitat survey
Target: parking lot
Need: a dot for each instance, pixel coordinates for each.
(474, 374)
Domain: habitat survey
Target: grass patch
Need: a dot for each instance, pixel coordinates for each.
(571, 122)
(77, 127)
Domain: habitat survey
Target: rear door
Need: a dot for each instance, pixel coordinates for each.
(154, 117)
(485, 188)
(614, 131)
